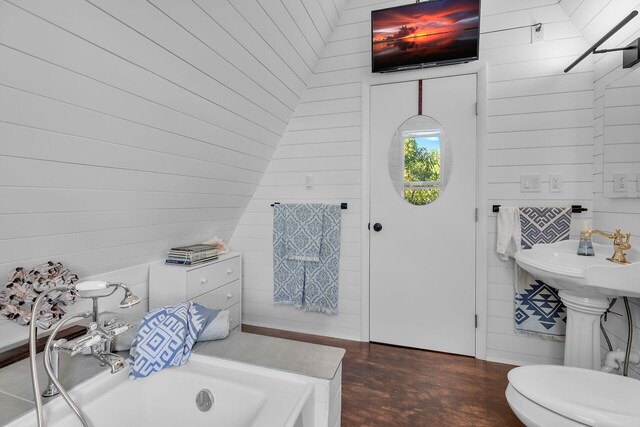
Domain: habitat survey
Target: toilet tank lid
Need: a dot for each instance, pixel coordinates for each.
(590, 397)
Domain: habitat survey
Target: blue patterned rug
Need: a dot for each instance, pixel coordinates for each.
(538, 309)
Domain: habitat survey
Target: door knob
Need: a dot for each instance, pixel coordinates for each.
(377, 226)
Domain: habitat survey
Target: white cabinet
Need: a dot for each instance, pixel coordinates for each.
(215, 284)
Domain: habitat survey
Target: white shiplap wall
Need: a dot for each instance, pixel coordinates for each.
(540, 122)
(594, 18)
(127, 127)
(622, 134)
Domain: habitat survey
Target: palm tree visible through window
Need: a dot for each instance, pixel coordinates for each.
(422, 166)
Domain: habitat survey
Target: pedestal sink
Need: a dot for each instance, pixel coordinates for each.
(585, 283)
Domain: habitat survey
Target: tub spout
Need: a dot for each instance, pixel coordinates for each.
(115, 362)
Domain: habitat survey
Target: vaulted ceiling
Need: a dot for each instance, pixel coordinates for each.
(595, 17)
(150, 123)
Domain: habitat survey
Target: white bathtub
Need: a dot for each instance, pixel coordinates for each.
(244, 396)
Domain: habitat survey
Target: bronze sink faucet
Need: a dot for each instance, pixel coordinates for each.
(620, 244)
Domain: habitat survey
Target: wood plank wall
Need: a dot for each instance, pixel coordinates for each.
(594, 18)
(540, 122)
(127, 127)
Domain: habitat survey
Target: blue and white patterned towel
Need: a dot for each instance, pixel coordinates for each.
(538, 308)
(305, 283)
(544, 225)
(166, 336)
(303, 232)
(321, 278)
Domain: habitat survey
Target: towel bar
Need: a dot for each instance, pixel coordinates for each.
(343, 205)
(574, 208)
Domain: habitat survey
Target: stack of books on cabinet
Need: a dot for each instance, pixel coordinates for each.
(191, 255)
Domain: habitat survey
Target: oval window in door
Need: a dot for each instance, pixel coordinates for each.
(420, 160)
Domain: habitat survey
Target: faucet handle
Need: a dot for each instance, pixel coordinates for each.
(77, 345)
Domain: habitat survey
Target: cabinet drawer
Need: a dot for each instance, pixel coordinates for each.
(222, 298)
(235, 312)
(209, 277)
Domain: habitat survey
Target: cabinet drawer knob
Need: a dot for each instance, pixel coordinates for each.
(203, 280)
(229, 271)
(229, 296)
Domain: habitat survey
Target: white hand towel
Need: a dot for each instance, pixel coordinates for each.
(509, 234)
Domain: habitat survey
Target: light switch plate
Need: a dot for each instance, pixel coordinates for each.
(529, 183)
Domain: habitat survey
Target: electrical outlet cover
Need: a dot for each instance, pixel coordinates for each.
(555, 183)
(620, 183)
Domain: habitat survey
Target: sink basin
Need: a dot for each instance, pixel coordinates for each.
(558, 265)
(585, 283)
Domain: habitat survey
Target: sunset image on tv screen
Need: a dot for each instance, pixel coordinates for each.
(441, 31)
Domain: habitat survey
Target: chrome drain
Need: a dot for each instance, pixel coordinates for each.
(204, 399)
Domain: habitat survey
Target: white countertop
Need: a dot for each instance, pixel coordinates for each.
(297, 357)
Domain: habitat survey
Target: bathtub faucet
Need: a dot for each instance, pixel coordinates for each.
(98, 339)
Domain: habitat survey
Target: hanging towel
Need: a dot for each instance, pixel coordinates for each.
(303, 232)
(166, 336)
(288, 275)
(538, 308)
(306, 256)
(544, 225)
(321, 278)
(509, 235)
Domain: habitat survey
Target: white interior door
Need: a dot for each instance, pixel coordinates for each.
(422, 261)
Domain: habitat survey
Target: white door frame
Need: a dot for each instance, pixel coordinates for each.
(480, 69)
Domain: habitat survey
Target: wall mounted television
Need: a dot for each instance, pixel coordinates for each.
(427, 34)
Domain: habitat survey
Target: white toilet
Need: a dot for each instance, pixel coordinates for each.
(559, 396)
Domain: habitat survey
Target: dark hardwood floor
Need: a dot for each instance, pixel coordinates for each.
(385, 385)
